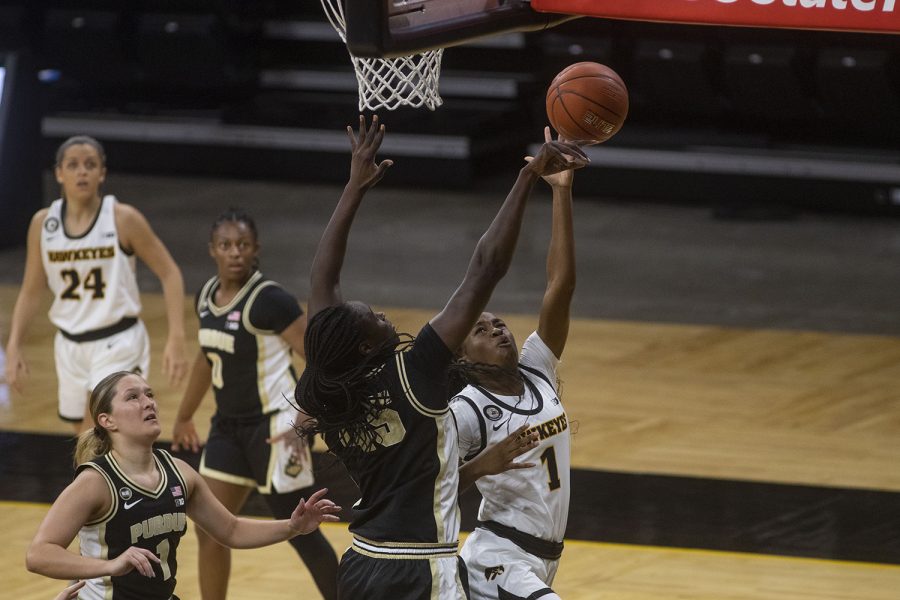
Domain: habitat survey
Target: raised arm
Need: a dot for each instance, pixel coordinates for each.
(34, 282)
(325, 276)
(553, 325)
(494, 251)
(135, 233)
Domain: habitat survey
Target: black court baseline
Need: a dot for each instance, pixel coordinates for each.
(627, 508)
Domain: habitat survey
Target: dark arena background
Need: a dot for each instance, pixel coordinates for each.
(731, 373)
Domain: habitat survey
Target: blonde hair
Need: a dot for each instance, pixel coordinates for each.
(95, 441)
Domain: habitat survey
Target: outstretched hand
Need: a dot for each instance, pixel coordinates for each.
(308, 514)
(364, 171)
(557, 156)
(500, 457)
(563, 178)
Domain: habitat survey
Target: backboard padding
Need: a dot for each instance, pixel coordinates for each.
(390, 28)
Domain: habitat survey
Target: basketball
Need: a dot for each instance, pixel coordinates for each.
(587, 103)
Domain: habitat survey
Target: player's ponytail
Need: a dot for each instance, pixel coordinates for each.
(95, 441)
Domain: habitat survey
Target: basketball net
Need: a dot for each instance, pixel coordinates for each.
(391, 82)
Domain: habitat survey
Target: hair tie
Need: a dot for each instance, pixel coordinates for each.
(98, 431)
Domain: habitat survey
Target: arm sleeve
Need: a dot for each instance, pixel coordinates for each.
(274, 309)
(197, 302)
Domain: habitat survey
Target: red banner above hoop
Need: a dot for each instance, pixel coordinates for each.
(854, 15)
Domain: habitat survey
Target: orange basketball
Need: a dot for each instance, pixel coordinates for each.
(587, 103)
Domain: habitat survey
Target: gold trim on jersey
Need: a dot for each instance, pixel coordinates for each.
(218, 311)
(407, 389)
(114, 505)
(246, 316)
(154, 493)
(226, 477)
(262, 346)
(203, 296)
(440, 448)
(273, 457)
(403, 550)
(261, 374)
(171, 462)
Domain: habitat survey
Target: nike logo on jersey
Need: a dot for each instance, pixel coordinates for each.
(128, 505)
(204, 313)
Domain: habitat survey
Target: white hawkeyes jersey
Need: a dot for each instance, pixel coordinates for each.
(92, 278)
(535, 500)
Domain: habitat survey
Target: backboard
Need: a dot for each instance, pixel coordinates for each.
(393, 28)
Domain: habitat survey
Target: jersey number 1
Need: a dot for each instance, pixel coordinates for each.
(548, 459)
(163, 550)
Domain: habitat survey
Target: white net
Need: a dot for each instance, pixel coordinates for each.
(391, 82)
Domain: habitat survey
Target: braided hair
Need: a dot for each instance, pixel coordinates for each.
(234, 215)
(341, 388)
(462, 373)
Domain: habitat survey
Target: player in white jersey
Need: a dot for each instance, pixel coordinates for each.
(83, 247)
(515, 549)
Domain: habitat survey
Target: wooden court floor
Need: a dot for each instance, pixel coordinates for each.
(711, 402)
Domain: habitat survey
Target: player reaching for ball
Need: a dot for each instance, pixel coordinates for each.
(380, 401)
(515, 549)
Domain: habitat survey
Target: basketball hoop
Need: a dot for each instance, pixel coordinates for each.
(391, 82)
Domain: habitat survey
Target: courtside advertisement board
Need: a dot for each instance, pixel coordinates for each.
(881, 16)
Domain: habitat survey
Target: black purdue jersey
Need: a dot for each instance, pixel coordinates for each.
(252, 373)
(152, 519)
(409, 481)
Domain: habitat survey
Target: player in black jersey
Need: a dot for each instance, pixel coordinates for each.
(248, 327)
(381, 401)
(129, 501)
